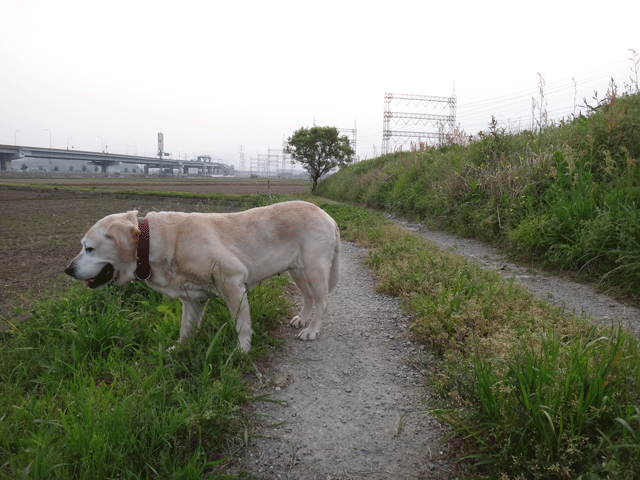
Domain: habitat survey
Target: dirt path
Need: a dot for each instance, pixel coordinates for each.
(347, 406)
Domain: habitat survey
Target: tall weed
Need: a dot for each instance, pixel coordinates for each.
(556, 408)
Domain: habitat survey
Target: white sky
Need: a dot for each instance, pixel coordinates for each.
(212, 75)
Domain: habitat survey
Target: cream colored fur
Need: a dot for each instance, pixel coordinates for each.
(196, 255)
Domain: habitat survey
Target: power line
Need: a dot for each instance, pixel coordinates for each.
(562, 97)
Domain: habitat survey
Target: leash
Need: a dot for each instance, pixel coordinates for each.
(143, 268)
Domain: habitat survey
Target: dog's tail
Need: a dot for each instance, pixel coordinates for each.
(334, 274)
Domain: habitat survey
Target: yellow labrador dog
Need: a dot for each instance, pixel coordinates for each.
(192, 256)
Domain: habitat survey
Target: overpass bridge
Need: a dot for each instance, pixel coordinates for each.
(9, 153)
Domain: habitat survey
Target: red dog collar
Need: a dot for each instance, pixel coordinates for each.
(143, 269)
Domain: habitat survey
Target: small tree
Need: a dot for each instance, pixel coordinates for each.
(319, 150)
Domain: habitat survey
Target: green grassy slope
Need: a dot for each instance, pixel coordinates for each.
(567, 196)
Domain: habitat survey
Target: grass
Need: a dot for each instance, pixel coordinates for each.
(529, 391)
(89, 387)
(570, 396)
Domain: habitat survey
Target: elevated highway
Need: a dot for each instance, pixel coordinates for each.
(9, 153)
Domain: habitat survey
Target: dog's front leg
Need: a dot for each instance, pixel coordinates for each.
(236, 297)
(243, 326)
(192, 311)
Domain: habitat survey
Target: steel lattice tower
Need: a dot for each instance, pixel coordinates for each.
(254, 165)
(354, 135)
(408, 116)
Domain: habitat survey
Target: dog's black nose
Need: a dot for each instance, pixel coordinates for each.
(70, 271)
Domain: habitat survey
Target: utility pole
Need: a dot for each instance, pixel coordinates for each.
(161, 151)
(241, 152)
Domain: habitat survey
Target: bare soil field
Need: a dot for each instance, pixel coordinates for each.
(226, 186)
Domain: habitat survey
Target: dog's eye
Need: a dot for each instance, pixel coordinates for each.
(88, 249)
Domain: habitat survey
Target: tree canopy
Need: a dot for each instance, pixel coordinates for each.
(319, 150)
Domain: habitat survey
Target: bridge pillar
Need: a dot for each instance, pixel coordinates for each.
(104, 164)
(185, 170)
(5, 160)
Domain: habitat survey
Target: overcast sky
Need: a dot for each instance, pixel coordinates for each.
(213, 75)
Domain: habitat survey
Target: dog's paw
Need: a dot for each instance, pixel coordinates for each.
(298, 321)
(308, 334)
(244, 343)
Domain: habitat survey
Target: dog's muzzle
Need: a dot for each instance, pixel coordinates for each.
(100, 280)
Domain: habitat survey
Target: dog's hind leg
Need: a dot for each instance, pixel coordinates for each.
(317, 280)
(192, 311)
(304, 316)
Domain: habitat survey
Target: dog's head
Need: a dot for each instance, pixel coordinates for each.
(108, 251)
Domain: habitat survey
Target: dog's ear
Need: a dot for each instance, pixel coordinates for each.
(132, 215)
(125, 236)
